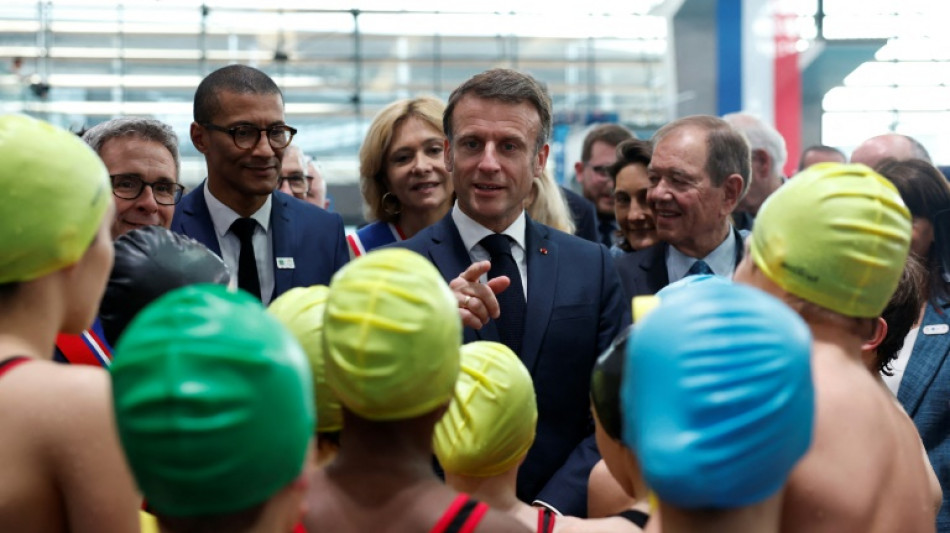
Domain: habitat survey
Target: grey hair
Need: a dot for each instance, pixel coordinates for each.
(147, 129)
(761, 136)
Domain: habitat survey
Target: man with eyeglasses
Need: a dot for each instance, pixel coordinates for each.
(141, 155)
(293, 176)
(270, 241)
(598, 152)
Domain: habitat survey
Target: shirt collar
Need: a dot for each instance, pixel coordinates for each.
(722, 260)
(472, 232)
(223, 216)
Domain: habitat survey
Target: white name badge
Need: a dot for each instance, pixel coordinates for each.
(936, 329)
(286, 263)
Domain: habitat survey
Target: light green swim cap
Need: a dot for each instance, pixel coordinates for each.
(301, 311)
(835, 235)
(491, 421)
(55, 192)
(213, 402)
(392, 333)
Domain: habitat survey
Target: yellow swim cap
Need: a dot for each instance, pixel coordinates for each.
(836, 235)
(55, 192)
(301, 310)
(491, 421)
(392, 334)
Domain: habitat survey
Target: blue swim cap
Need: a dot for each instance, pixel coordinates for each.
(717, 395)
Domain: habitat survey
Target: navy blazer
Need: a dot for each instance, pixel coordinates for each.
(643, 272)
(925, 391)
(574, 311)
(584, 215)
(311, 236)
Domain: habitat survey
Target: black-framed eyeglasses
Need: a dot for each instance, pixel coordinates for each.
(246, 136)
(298, 183)
(601, 170)
(130, 187)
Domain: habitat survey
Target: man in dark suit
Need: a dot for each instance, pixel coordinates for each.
(270, 241)
(598, 152)
(699, 172)
(554, 298)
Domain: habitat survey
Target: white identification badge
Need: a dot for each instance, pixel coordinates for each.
(285, 263)
(936, 329)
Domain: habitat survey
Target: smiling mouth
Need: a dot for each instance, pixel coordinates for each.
(424, 186)
(487, 187)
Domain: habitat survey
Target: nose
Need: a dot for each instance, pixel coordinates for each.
(146, 201)
(263, 147)
(657, 193)
(489, 159)
(421, 163)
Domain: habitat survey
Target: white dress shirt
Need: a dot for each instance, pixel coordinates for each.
(222, 217)
(472, 233)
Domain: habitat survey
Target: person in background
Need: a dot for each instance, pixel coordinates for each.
(768, 151)
(547, 206)
(301, 311)
(728, 366)
(293, 176)
(270, 241)
(213, 405)
(837, 268)
(631, 184)
(819, 153)
(403, 178)
(63, 467)
(317, 190)
(392, 336)
(141, 155)
(598, 152)
(922, 366)
(889, 145)
(486, 433)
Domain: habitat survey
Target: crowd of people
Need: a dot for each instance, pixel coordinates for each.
(694, 343)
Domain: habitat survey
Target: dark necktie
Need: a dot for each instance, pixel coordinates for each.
(606, 229)
(243, 228)
(511, 300)
(699, 267)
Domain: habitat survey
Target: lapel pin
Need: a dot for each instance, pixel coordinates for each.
(544, 251)
(936, 329)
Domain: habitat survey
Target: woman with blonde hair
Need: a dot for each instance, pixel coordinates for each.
(403, 179)
(547, 205)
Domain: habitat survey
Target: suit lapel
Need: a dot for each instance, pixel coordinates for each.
(542, 257)
(284, 236)
(925, 360)
(654, 266)
(450, 257)
(196, 220)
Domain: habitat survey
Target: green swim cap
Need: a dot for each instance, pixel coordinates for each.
(836, 235)
(301, 311)
(213, 402)
(491, 421)
(55, 193)
(392, 333)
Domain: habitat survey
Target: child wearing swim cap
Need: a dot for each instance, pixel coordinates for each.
(63, 464)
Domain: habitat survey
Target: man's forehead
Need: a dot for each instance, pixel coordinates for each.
(534, 119)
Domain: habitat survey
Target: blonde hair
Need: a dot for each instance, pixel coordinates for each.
(377, 142)
(547, 204)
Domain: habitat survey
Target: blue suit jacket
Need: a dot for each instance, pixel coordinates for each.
(584, 215)
(643, 272)
(312, 236)
(925, 391)
(573, 312)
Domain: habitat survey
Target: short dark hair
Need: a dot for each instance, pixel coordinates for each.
(240, 79)
(611, 134)
(508, 86)
(926, 192)
(631, 152)
(901, 312)
(819, 148)
(727, 150)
